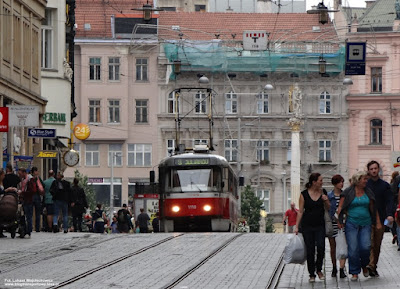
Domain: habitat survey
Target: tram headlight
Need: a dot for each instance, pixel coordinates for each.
(176, 209)
(207, 208)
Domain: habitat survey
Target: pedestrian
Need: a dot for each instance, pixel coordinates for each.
(291, 217)
(310, 217)
(114, 225)
(3, 191)
(357, 202)
(394, 186)
(123, 219)
(156, 223)
(10, 179)
(36, 186)
(384, 206)
(27, 198)
(334, 199)
(78, 205)
(143, 220)
(61, 192)
(48, 200)
(99, 218)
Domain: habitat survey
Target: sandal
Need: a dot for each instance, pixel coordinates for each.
(321, 276)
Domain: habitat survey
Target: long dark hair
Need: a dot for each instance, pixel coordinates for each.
(313, 178)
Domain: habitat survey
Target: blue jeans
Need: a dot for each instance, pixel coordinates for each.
(63, 206)
(28, 211)
(314, 237)
(358, 245)
(37, 204)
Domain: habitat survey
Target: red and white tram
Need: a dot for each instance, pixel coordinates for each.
(198, 192)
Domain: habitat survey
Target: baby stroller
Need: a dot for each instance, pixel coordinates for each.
(12, 218)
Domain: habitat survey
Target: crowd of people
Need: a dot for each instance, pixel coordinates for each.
(361, 213)
(52, 202)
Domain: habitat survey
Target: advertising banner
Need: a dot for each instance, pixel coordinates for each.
(42, 132)
(23, 115)
(3, 119)
(396, 161)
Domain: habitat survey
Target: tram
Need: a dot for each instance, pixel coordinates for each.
(198, 192)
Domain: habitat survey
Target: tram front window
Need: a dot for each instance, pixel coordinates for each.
(195, 180)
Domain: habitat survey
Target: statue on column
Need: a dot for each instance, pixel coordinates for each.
(297, 102)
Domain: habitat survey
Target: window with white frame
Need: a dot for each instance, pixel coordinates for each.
(263, 150)
(94, 111)
(173, 102)
(264, 196)
(115, 155)
(77, 147)
(231, 152)
(113, 68)
(289, 152)
(230, 102)
(48, 26)
(376, 131)
(141, 69)
(200, 102)
(92, 155)
(139, 155)
(170, 147)
(141, 111)
(376, 79)
(262, 103)
(94, 68)
(113, 111)
(325, 150)
(325, 103)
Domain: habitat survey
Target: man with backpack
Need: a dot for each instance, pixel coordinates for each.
(123, 217)
(36, 187)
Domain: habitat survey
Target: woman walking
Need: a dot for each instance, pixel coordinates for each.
(310, 217)
(334, 198)
(358, 203)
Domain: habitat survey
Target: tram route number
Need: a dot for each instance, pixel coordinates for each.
(189, 162)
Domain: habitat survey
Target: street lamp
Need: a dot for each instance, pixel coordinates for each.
(147, 10)
(114, 155)
(322, 10)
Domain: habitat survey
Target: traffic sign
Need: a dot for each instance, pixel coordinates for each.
(42, 132)
(355, 69)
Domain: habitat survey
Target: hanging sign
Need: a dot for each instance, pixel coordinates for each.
(23, 115)
(82, 131)
(3, 119)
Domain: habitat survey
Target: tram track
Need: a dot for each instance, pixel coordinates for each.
(273, 282)
(113, 262)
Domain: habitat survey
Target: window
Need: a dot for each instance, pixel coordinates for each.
(94, 68)
(263, 195)
(17, 47)
(113, 68)
(141, 69)
(47, 39)
(200, 8)
(168, 8)
(113, 111)
(263, 151)
(231, 150)
(262, 103)
(376, 79)
(376, 131)
(141, 111)
(139, 155)
(289, 152)
(170, 147)
(325, 150)
(173, 102)
(200, 102)
(230, 103)
(94, 111)
(115, 155)
(92, 155)
(200, 142)
(324, 103)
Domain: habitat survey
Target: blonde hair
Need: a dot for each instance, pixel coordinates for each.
(355, 179)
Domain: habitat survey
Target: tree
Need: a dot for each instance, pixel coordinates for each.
(89, 191)
(251, 206)
(269, 227)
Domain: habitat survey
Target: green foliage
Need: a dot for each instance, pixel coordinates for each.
(251, 208)
(269, 227)
(89, 191)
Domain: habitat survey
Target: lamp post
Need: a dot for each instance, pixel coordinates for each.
(113, 156)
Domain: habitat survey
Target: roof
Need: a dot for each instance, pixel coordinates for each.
(282, 27)
(353, 13)
(380, 15)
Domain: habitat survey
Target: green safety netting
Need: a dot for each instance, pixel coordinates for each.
(214, 57)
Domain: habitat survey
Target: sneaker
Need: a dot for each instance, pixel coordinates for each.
(365, 272)
(342, 273)
(334, 272)
(55, 229)
(65, 231)
(371, 271)
(312, 280)
(394, 239)
(376, 273)
(2, 235)
(354, 278)
(321, 276)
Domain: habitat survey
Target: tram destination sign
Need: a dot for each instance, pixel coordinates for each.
(191, 161)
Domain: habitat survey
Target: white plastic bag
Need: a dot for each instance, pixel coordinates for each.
(295, 251)
(341, 245)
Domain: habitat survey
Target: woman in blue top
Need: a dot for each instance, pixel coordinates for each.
(358, 203)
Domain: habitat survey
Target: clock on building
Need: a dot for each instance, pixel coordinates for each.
(71, 158)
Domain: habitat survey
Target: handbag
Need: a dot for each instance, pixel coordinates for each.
(328, 224)
(341, 245)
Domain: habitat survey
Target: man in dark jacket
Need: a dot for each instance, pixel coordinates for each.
(79, 205)
(143, 220)
(123, 217)
(384, 206)
(61, 192)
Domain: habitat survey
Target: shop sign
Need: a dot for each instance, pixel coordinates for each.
(96, 180)
(3, 119)
(47, 154)
(23, 115)
(82, 131)
(54, 118)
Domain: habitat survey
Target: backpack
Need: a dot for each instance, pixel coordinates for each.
(33, 187)
(121, 216)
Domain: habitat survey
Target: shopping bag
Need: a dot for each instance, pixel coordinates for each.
(341, 245)
(295, 251)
